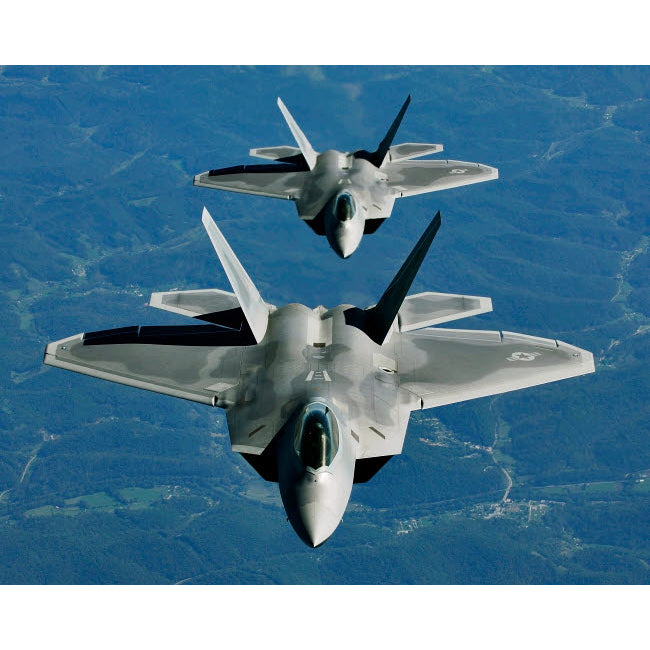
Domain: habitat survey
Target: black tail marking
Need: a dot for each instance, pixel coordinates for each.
(377, 321)
(377, 157)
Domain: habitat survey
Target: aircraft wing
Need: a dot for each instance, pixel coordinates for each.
(277, 180)
(419, 176)
(197, 372)
(443, 366)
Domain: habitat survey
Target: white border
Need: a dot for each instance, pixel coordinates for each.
(335, 32)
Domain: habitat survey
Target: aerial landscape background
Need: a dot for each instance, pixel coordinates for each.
(102, 483)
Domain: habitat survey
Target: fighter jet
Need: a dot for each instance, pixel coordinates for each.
(318, 399)
(345, 195)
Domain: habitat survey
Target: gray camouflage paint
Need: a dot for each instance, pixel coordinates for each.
(332, 173)
(312, 355)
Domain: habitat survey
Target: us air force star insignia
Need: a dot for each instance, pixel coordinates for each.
(457, 170)
(523, 356)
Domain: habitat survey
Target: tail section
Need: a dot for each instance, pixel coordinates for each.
(250, 300)
(377, 321)
(384, 145)
(309, 154)
(377, 157)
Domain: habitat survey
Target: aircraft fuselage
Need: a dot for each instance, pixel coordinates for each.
(311, 356)
(344, 192)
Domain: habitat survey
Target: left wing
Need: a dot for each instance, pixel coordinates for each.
(160, 359)
(442, 366)
(419, 176)
(277, 180)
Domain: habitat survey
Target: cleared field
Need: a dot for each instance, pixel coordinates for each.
(134, 498)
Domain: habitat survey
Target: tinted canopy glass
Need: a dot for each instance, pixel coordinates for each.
(317, 436)
(344, 207)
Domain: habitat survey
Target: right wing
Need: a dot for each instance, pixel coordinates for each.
(442, 366)
(419, 176)
(197, 372)
(279, 180)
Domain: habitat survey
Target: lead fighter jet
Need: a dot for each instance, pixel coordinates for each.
(345, 195)
(318, 399)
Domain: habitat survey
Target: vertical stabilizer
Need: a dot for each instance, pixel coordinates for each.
(254, 308)
(377, 157)
(384, 145)
(309, 154)
(377, 321)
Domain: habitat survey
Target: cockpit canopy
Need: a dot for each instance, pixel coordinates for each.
(344, 208)
(317, 436)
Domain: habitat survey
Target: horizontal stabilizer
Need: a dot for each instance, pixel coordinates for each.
(250, 301)
(210, 305)
(429, 308)
(194, 303)
(197, 303)
(275, 153)
(409, 150)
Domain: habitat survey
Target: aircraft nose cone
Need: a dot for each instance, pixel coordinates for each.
(318, 522)
(344, 236)
(344, 244)
(346, 252)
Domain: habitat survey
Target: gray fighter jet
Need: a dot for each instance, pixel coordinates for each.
(345, 195)
(318, 399)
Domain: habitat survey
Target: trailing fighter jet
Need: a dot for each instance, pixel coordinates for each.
(318, 399)
(345, 195)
